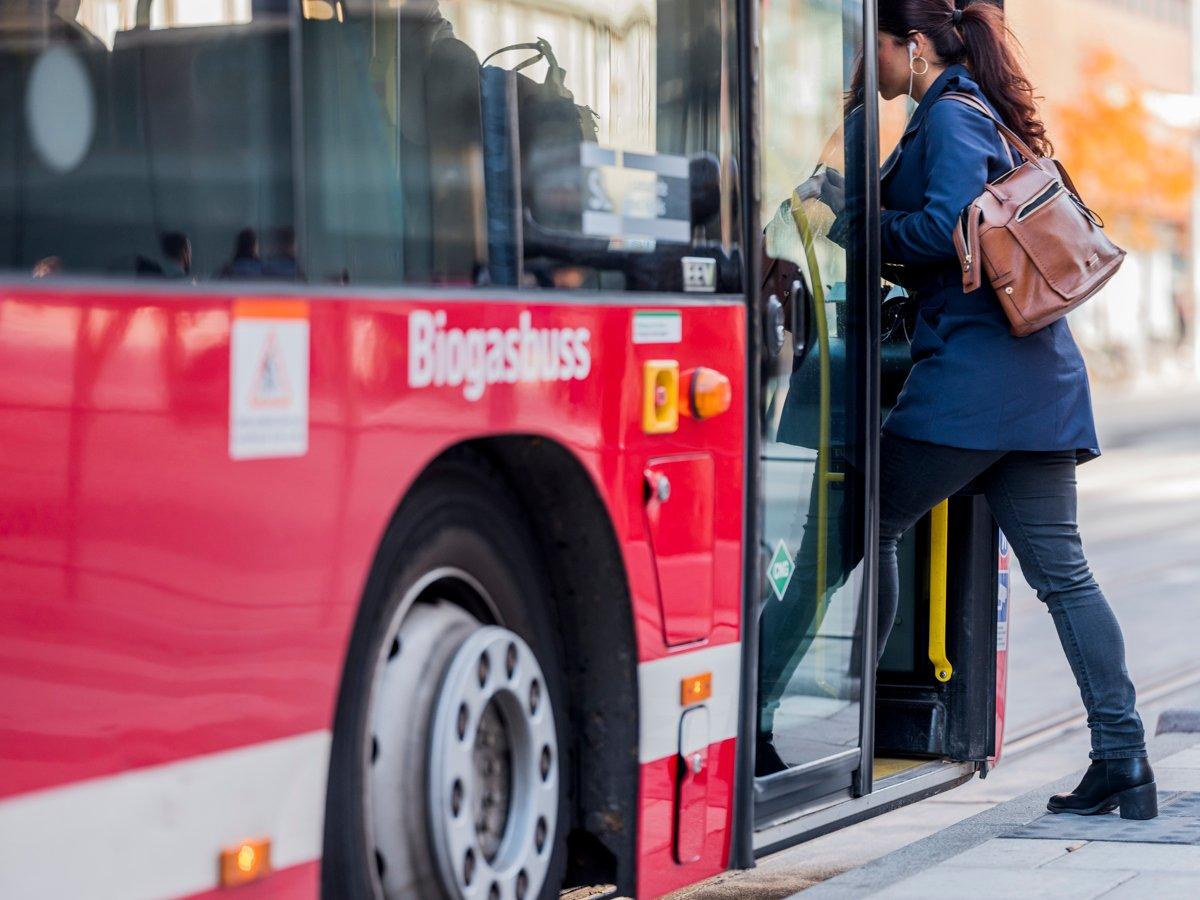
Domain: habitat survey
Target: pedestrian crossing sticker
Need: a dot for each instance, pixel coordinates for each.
(780, 569)
(271, 388)
(268, 379)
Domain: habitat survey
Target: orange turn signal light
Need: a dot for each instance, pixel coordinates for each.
(704, 393)
(695, 689)
(248, 861)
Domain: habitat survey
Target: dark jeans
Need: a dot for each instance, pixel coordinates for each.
(1032, 496)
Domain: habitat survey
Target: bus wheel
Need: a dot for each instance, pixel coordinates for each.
(449, 781)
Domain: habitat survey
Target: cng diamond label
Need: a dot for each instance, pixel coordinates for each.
(780, 569)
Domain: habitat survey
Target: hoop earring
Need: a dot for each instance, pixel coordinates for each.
(913, 69)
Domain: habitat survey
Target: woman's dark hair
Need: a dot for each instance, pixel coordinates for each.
(858, 77)
(981, 40)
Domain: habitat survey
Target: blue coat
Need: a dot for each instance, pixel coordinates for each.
(972, 384)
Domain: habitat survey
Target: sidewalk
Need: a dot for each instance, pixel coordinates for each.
(1018, 850)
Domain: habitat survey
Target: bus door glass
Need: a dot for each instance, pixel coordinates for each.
(812, 422)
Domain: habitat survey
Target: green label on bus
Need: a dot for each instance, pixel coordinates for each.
(780, 569)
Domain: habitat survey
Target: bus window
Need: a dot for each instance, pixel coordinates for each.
(522, 144)
(145, 138)
(471, 142)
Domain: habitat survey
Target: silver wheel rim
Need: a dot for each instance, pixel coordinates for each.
(414, 754)
(490, 846)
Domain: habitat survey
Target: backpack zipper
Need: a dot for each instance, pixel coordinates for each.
(963, 220)
(1031, 206)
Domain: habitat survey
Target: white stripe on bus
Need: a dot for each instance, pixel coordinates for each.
(658, 697)
(159, 831)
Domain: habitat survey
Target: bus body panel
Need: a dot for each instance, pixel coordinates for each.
(166, 602)
(658, 871)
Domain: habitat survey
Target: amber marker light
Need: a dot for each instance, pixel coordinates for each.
(248, 861)
(704, 393)
(695, 689)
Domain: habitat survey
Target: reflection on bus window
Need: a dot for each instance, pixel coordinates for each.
(139, 128)
(513, 143)
(524, 143)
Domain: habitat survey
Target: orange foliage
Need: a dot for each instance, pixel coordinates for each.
(1131, 168)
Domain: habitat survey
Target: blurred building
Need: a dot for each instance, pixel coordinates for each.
(1116, 78)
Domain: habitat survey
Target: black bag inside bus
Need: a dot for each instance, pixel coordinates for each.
(550, 128)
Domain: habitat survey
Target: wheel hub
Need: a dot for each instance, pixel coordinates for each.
(493, 785)
(492, 759)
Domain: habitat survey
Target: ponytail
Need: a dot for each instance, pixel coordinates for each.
(974, 33)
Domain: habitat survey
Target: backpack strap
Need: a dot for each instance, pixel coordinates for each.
(1012, 138)
(1005, 131)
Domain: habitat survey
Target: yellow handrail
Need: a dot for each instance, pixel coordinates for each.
(939, 538)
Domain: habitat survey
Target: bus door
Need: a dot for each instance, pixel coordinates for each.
(825, 727)
(814, 446)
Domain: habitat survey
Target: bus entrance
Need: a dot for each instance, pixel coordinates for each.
(830, 722)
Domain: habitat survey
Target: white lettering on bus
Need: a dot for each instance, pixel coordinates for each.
(478, 357)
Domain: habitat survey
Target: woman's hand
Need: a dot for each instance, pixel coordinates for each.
(828, 185)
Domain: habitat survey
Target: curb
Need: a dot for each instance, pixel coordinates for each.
(1178, 721)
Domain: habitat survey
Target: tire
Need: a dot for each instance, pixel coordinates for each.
(459, 577)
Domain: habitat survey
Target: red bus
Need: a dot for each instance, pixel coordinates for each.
(410, 488)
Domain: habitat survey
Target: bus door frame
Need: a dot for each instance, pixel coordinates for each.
(741, 847)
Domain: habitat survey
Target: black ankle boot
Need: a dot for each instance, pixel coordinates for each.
(1109, 783)
(766, 758)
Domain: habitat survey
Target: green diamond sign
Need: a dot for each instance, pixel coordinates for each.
(780, 569)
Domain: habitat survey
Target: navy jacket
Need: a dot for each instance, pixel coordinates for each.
(972, 384)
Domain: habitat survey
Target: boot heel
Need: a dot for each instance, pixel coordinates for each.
(1140, 802)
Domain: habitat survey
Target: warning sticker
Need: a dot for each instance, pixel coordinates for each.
(268, 379)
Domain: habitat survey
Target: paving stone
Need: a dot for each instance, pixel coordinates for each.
(1001, 884)
(1145, 887)
(1184, 759)
(1171, 779)
(1126, 856)
(1013, 853)
(1178, 822)
(934, 865)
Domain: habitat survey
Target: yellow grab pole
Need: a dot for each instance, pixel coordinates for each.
(939, 532)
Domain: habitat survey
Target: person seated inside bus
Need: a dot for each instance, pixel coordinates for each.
(177, 255)
(245, 262)
(281, 260)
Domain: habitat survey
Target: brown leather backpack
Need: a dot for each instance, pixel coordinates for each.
(1040, 246)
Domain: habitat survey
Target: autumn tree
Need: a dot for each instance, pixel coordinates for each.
(1130, 167)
